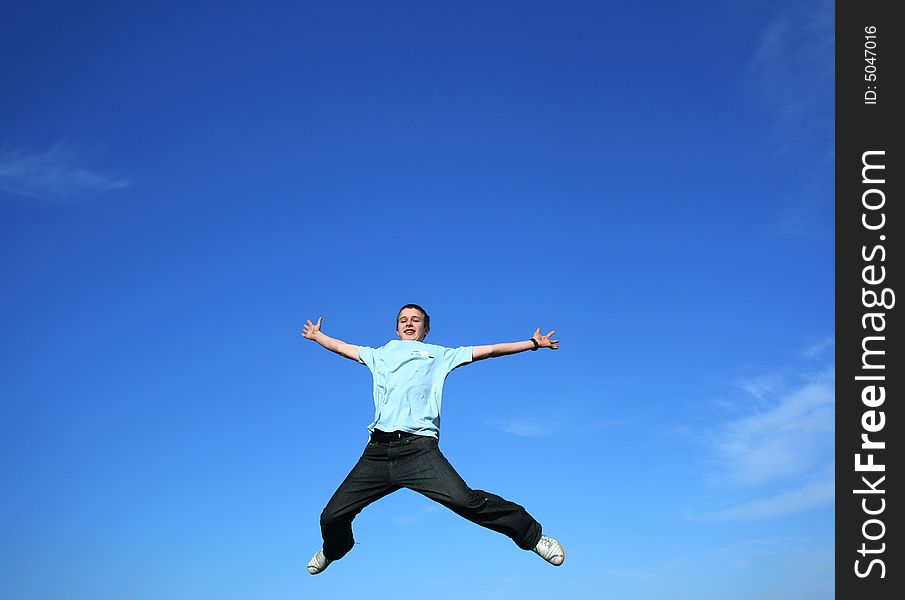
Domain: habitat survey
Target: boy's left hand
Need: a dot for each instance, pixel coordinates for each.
(544, 341)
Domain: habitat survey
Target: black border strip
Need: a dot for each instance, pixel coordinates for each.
(869, 373)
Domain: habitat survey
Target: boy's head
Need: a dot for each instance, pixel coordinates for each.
(412, 323)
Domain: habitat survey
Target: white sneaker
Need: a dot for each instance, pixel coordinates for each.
(550, 550)
(319, 562)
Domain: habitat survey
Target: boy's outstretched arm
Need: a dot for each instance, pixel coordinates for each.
(312, 331)
(543, 341)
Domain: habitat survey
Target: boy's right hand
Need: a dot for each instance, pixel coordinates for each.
(312, 330)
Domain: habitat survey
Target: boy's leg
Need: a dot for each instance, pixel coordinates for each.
(428, 472)
(368, 481)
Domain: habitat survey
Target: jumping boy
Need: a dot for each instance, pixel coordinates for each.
(402, 451)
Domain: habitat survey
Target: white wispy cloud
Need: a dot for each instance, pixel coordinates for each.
(817, 494)
(416, 517)
(810, 558)
(539, 427)
(530, 428)
(793, 70)
(779, 453)
(794, 64)
(817, 348)
(639, 575)
(790, 436)
(761, 387)
(55, 174)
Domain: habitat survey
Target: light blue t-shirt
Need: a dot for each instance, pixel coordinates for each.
(408, 383)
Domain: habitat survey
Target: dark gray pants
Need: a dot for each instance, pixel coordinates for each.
(416, 463)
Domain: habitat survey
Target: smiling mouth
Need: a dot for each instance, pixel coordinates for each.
(409, 331)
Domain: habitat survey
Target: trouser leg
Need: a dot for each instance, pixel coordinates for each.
(429, 473)
(368, 481)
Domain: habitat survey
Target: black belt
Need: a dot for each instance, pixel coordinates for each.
(383, 437)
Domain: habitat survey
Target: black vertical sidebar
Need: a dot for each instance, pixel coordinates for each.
(870, 374)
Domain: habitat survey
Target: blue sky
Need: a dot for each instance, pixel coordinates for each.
(181, 187)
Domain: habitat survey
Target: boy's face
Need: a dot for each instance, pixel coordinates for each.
(410, 325)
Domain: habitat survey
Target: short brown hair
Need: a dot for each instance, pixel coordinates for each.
(427, 318)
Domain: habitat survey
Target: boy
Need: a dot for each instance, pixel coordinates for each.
(402, 451)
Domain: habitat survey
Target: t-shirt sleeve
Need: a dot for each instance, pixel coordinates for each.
(456, 357)
(367, 356)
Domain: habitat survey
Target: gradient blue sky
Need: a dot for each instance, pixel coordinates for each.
(182, 186)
